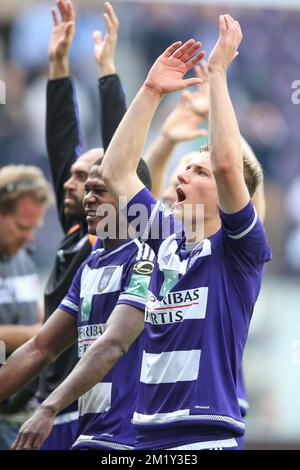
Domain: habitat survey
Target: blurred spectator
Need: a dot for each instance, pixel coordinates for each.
(24, 197)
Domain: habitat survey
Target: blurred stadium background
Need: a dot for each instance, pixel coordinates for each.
(261, 86)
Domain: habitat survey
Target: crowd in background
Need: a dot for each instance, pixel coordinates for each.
(260, 85)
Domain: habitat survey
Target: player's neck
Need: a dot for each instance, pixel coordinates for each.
(201, 231)
(111, 244)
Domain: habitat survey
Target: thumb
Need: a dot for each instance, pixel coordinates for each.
(97, 37)
(183, 100)
(192, 81)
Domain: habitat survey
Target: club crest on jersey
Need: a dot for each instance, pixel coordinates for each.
(143, 267)
(105, 278)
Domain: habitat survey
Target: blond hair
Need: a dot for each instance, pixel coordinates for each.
(18, 181)
(253, 173)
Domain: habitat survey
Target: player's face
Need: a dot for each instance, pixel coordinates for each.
(197, 185)
(99, 206)
(18, 228)
(169, 195)
(74, 186)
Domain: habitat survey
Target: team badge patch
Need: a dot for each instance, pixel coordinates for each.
(143, 267)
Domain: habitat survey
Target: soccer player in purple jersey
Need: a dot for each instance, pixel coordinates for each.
(203, 291)
(104, 311)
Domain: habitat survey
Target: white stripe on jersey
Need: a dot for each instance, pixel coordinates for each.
(146, 233)
(133, 298)
(170, 367)
(243, 403)
(66, 418)
(245, 232)
(70, 305)
(96, 400)
(82, 439)
(227, 443)
(140, 248)
(144, 254)
(139, 418)
(182, 415)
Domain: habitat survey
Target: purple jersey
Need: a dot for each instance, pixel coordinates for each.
(197, 317)
(106, 279)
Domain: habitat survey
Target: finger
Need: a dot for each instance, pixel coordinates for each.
(230, 21)
(108, 22)
(183, 100)
(111, 12)
(71, 10)
(238, 26)
(27, 443)
(185, 47)
(37, 442)
(19, 442)
(15, 443)
(192, 81)
(202, 66)
(97, 37)
(169, 51)
(190, 52)
(194, 60)
(54, 17)
(62, 9)
(198, 71)
(222, 23)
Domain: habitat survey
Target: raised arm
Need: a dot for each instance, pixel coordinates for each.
(121, 159)
(122, 328)
(63, 134)
(224, 135)
(112, 96)
(61, 39)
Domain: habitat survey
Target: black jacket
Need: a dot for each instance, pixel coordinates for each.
(64, 145)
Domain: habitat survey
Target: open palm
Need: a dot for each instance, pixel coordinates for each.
(63, 31)
(167, 73)
(226, 48)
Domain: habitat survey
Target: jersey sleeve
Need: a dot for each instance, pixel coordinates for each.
(71, 301)
(113, 106)
(245, 243)
(151, 220)
(137, 278)
(63, 136)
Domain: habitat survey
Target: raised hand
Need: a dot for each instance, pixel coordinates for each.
(198, 101)
(167, 72)
(226, 48)
(182, 124)
(104, 49)
(63, 30)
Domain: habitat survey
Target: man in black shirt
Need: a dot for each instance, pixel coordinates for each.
(69, 171)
